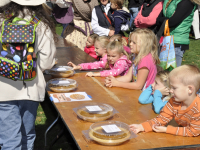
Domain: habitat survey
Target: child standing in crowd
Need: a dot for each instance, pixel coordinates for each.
(158, 92)
(18, 104)
(89, 48)
(143, 44)
(118, 37)
(117, 60)
(119, 16)
(183, 106)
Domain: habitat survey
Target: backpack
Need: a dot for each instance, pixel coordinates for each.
(17, 49)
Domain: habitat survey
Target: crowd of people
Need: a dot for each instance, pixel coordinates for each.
(97, 27)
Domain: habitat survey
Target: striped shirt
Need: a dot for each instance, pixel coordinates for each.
(188, 120)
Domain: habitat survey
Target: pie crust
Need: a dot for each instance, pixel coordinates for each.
(95, 117)
(63, 74)
(61, 89)
(109, 140)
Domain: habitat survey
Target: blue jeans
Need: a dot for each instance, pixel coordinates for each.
(17, 124)
(133, 11)
(179, 55)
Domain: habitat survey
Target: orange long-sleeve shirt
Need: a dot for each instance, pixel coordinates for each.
(188, 120)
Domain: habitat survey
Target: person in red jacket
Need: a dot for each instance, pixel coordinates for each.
(89, 48)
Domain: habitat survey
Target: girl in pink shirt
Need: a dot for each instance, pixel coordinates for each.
(143, 44)
(100, 45)
(116, 59)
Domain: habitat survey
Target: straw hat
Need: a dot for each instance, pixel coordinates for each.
(23, 2)
(4, 2)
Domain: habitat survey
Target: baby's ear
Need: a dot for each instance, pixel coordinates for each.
(191, 89)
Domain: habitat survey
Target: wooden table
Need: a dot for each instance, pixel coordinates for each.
(123, 100)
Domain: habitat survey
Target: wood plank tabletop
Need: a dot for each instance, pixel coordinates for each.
(125, 101)
(130, 111)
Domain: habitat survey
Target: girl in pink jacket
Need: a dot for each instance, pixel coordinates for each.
(116, 59)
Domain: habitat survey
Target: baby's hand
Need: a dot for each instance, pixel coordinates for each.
(136, 128)
(164, 90)
(75, 67)
(157, 128)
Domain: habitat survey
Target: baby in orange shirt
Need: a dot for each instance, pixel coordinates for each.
(184, 106)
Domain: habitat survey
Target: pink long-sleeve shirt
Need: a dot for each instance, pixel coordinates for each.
(144, 22)
(120, 67)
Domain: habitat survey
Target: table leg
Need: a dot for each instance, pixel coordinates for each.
(45, 140)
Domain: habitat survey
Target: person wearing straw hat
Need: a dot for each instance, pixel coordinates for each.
(18, 104)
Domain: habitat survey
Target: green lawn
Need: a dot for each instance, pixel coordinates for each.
(46, 113)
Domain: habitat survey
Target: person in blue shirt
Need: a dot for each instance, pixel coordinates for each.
(158, 92)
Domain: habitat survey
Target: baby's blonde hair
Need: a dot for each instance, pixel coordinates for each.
(103, 41)
(118, 37)
(163, 76)
(148, 43)
(188, 75)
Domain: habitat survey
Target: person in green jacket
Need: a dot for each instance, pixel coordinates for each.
(180, 14)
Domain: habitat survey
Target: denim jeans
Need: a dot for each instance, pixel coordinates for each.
(17, 124)
(133, 11)
(179, 55)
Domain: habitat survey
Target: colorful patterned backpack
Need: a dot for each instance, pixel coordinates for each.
(17, 49)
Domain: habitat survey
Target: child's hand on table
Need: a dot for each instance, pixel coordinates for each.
(75, 67)
(157, 128)
(92, 74)
(107, 82)
(136, 128)
(111, 81)
(164, 90)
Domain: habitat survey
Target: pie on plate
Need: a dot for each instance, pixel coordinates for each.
(105, 113)
(98, 134)
(62, 85)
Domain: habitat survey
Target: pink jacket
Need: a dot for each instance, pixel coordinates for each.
(144, 22)
(90, 51)
(120, 67)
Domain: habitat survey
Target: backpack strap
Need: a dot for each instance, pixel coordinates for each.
(35, 20)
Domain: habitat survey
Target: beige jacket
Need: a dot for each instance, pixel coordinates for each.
(35, 89)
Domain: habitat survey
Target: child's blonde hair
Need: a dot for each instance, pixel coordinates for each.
(188, 75)
(148, 43)
(164, 79)
(118, 37)
(118, 2)
(103, 41)
(116, 45)
(93, 37)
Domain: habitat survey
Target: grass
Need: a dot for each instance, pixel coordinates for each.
(46, 113)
